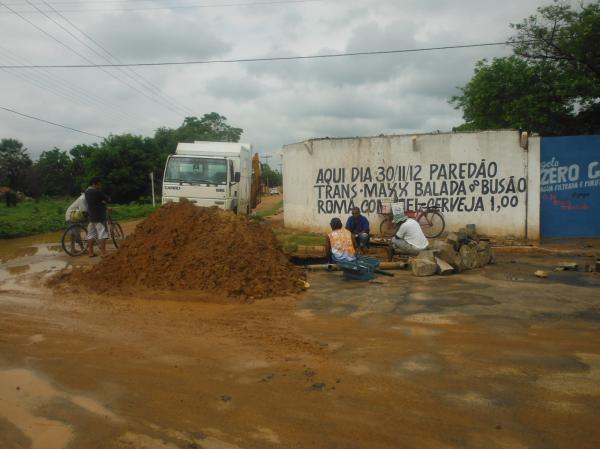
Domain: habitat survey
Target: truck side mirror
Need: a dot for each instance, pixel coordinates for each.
(236, 177)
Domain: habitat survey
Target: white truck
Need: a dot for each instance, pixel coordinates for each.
(210, 174)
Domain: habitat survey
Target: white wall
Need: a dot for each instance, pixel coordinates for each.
(478, 178)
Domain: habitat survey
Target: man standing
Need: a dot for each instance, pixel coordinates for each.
(409, 238)
(96, 205)
(358, 225)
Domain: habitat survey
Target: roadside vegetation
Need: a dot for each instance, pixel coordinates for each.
(290, 239)
(269, 212)
(48, 214)
(551, 82)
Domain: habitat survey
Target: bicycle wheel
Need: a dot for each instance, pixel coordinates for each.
(116, 234)
(74, 240)
(432, 223)
(387, 228)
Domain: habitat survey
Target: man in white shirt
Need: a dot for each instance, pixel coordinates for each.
(409, 238)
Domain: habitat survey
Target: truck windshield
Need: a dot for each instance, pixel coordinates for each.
(196, 170)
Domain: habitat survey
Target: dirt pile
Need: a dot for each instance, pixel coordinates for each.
(185, 247)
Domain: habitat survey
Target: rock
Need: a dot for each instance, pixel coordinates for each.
(446, 252)
(453, 240)
(568, 266)
(484, 254)
(444, 267)
(540, 274)
(427, 254)
(423, 267)
(424, 264)
(468, 257)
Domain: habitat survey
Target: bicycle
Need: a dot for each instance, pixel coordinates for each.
(74, 239)
(430, 219)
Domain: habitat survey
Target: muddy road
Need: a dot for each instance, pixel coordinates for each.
(494, 358)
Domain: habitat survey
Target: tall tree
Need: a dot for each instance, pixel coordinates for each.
(15, 164)
(211, 127)
(54, 173)
(79, 154)
(123, 163)
(550, 85)
(270, 177)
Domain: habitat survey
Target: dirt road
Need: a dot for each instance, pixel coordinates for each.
(490, 359)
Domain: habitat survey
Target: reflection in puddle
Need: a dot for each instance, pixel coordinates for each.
(27, 246)
(12, 252)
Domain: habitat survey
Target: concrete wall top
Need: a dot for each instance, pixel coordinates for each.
(474, 178)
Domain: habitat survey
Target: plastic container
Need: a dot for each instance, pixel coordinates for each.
(361, 269)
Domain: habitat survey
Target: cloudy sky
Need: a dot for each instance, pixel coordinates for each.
(274, 102)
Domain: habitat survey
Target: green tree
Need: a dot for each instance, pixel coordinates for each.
(211, 127)
(123, 163)
(15, 164)
(79, 154)
(54, 173)
(550, 85)
(270, 177)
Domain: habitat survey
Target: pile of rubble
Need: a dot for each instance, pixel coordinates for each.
(460, 251)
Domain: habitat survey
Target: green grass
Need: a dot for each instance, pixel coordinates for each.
(48, 214)
(269, 212)
(291, 240)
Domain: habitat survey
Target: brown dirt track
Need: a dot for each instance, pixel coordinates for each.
(492, 359)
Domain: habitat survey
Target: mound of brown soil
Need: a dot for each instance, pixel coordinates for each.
(185, 247)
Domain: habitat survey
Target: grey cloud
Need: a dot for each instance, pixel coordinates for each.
(147, 39)
(234, 88)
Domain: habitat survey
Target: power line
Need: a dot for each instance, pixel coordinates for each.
(51, 123)
(168, 102)
(168, 106)
(100, 66)
(266, 59)
(195, 6)
(51, 82)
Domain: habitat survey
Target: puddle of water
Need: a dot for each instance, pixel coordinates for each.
(266, 434)
(471, 399)
(576, 383)
(93, 407)
(27, 246)
(414, 331)
(18, 269)
(23, 392)
(431, 318)
(420, 363)
(37, 338)
(136, 440)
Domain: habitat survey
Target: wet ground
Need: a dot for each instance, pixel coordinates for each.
(494, 358)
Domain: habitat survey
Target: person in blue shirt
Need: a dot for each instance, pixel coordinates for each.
(358, 225)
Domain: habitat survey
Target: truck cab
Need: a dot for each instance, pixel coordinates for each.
(210, 174)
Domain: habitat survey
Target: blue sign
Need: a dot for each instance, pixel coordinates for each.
(570, 186)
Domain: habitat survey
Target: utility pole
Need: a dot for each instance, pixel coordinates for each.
(267, 157)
